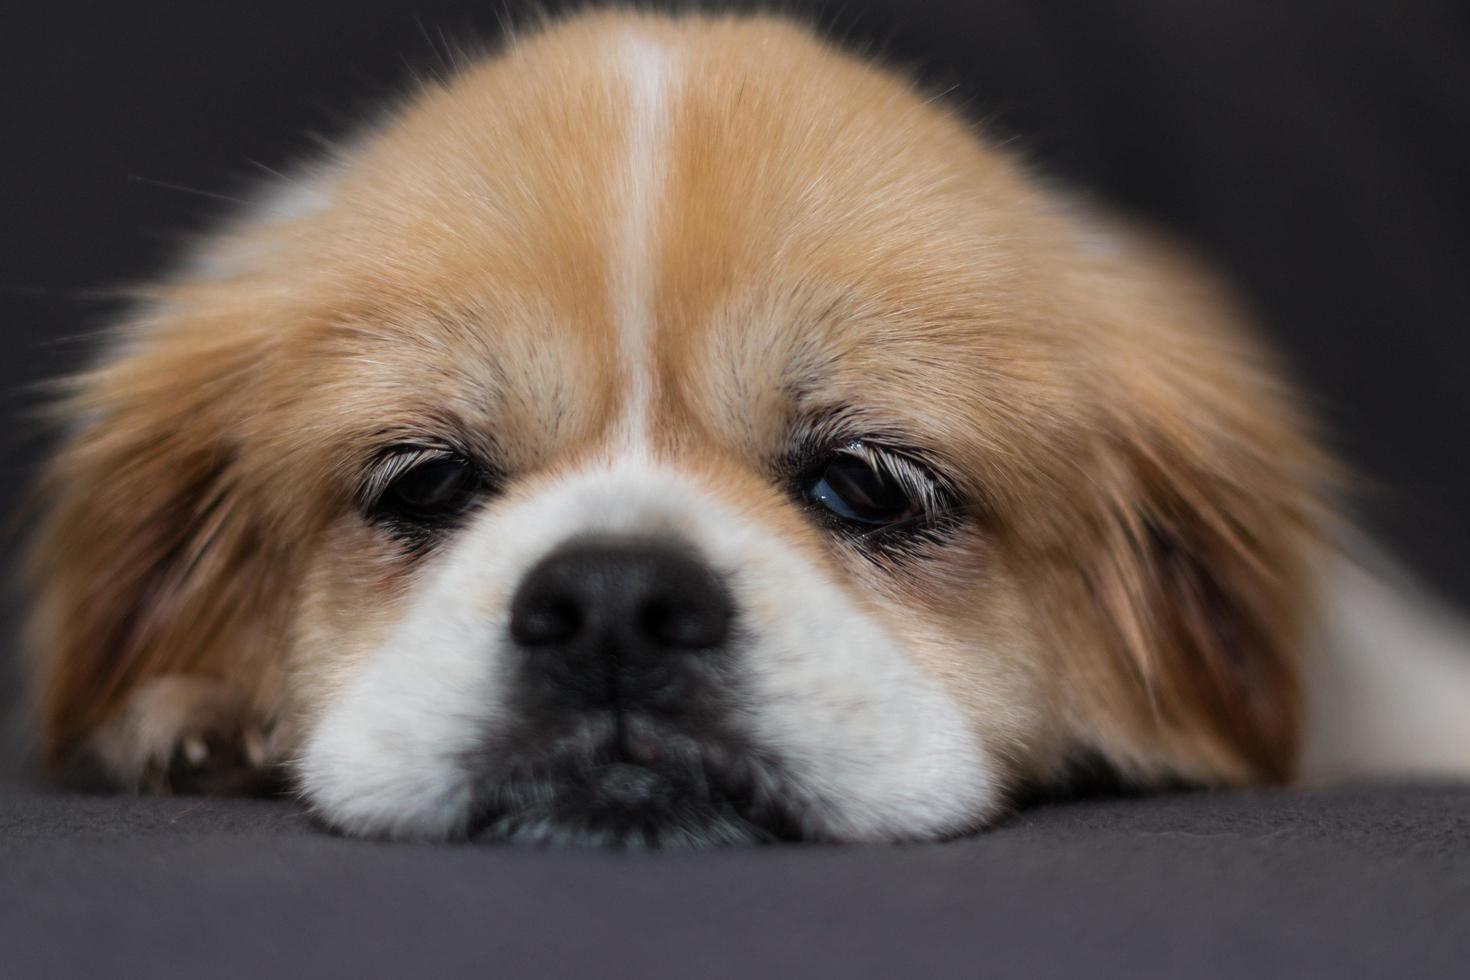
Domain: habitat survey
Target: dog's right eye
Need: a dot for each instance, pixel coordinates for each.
(430, 489)
(418, 490)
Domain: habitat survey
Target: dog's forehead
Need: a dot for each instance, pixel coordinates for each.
(638, 234)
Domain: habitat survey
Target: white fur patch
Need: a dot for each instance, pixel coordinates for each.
(1388, 678)
(390, 757)
(647, 69)
(877, 749)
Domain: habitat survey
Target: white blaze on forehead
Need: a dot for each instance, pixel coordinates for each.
(647, 70)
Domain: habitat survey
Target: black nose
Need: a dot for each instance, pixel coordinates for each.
(614, 621)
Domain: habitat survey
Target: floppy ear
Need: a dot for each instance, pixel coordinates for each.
(1197, 579)
(149, 562)
(1202, 586)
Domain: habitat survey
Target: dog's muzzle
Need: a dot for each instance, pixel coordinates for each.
(625, 692)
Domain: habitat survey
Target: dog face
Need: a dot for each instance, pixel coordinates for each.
(676, 432)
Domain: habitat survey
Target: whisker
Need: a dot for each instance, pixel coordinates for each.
(167, 185)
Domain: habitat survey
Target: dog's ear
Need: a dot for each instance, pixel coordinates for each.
(1197, 577)
(1201, 584)
(149, 560)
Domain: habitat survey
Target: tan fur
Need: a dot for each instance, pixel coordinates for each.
(1142, 495)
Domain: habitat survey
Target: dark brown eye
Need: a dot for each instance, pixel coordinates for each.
(421, 490)
(431, 488)
(867, 487)
(853, 489)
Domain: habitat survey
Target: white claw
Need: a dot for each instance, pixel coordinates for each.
(195, 751)
(254, 743)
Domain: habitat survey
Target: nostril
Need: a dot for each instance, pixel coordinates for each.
(696, 624)
(545, 620)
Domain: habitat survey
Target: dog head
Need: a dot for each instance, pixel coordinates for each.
(678, 431)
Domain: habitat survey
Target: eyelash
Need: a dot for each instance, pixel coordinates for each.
(941, 508)
(917, 481)
(388, 465)
(392, 463)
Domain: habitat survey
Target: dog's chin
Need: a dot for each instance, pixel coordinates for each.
(610, 788)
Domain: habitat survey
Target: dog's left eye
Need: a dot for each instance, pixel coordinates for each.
(853, 490)
(872, 488)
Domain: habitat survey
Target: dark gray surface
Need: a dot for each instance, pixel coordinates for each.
(1348, 882)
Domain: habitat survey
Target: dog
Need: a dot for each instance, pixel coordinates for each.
(675, 431)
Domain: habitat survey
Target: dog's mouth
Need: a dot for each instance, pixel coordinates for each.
(630, 782)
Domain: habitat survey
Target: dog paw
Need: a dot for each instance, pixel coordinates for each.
(181, 735)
